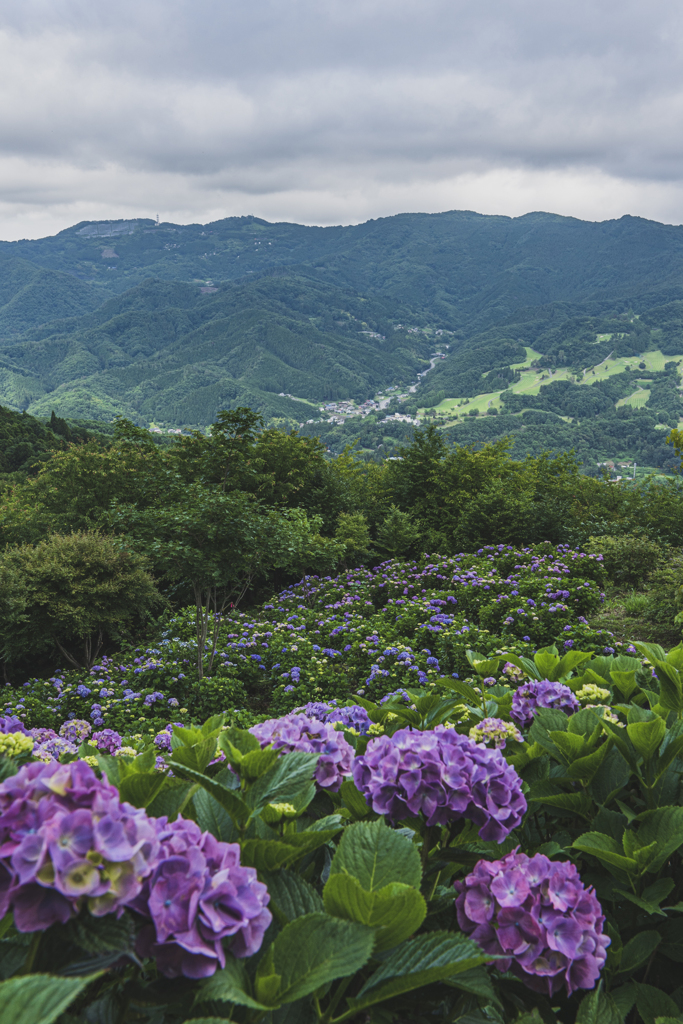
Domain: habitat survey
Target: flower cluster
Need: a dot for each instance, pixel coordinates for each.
(108, 740)
(541, 694)
(444, 776)
(14, 744)
(539, 916)
(592, 692)
(197, 896)
(352, 716)
(299, 732)
(496, 731)
(65, 837)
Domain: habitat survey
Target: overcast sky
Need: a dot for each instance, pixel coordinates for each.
(336, 111)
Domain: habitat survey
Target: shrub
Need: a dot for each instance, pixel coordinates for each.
(628, 559)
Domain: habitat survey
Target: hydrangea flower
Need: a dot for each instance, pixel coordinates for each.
(13, 744)
(75, 731)
(444, 776)
(107, 740)
(198, 896)
(592, 692)
(10, 724)
(496, 731)
(65, 837)
(353, 716)
(539, 916)
(52, 748)
(541, 694)
(299, 732)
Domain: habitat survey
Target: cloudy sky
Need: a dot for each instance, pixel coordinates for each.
(336, 111)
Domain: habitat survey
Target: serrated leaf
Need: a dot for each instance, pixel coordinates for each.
(639, 949)
(376, 855)
(291, 896)
(271, 854)
(212, 817)
(460, 687)
(38, 998)
(101, 934)
(664, 827)
(576, 803)
(309, 952)
(570, 661)
(197, 756)
(647, 737)
(227, 798)
(229, 985)
(606, 849)
(395, 912)
(290, 777)
(653, 1003)
(141, 788)
(417, 962)
(586, 768)
(172, 799)
(354, 799)
(625, 682)
(597, 1007)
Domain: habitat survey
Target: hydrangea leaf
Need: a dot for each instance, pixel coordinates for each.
(625, 682)
(376, 855)
(271, 854)
(172, 799)
(606, 849)
(285, 781)
(547, 661)
(396, 911)
(647, 737)
(417, 962)
(309, 952)
(354, 799)
(597, 1007)
(586, 768)
(570, 661)
(664, 827)
(38, 998)
(141, 789)
(212, 817)
(653, 1003)
(291, 896)
(233, 804)
(638, 950)
(197, 756)
(230, 985)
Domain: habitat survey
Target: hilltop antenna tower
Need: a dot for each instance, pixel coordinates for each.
(157, 220)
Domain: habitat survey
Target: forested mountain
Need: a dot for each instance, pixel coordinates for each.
(169, 323)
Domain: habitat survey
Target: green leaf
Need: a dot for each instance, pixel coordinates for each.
(652, 896)
(417, 962)
(647, 737)
(481, 665)
(653, 652)
(586, 768)
(625, 682)
(653, 1003)
(197, 756)
(309, 952)
(140, 789)
(172, 799)
(570, 661)
(461, 687)
(576, 803)
(38, 998)
(569, 744)
(597, 1007)
(212, 817)
(271, 854)
(289, 778)
(477, 981)
(376, 855)
(670, 688)
(638, 950)
(354, 800)
(605, 849)
(396, 911)
(233, 804)
(291, 896)
(664, 827)
(230, 985)
(547, 661)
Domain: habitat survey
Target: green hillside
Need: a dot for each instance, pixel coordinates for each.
(560, 330)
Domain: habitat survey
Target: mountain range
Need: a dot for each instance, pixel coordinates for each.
(169, 323)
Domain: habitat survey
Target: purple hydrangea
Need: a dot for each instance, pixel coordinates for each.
(444, 776)
(198, 896)
(299, 732)
(539, 916)
(107, 740)
(10, 723)
(353, 716)
(66, 838)
(75, 731)
(541, 694)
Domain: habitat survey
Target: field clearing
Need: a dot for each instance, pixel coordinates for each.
(532, 380)
(637, 400)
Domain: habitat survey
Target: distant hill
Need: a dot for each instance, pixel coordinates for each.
(170, 323)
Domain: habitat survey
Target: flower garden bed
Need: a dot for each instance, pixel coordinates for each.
(428, 791)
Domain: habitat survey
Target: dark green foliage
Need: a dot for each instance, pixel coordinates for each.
(628, 559)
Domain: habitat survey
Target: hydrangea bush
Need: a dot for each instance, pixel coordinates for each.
(401, 817)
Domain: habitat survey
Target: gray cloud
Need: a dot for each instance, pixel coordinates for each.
(337, 110)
